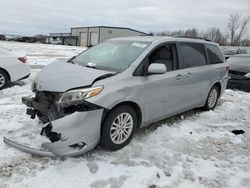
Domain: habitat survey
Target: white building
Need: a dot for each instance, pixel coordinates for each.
(90, 36)
(62, 38)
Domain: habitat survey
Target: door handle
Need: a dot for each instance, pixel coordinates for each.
(179, 77)
(189, 75)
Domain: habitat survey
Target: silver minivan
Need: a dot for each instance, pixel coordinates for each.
(106, 93)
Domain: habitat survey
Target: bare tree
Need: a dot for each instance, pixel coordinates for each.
(243, 29)
(188, 32)
(245, 42)
(214, 34)
(237, 26)
(191, 32)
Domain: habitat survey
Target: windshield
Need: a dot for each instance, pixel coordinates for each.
(111, 55)
(239, 60)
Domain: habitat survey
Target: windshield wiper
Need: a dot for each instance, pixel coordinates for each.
(90, 66)
(71, 60)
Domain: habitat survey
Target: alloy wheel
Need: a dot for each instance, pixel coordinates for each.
(212, 99)
(121, 128)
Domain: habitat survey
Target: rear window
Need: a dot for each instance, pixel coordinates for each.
(214, 54)
(193, 54)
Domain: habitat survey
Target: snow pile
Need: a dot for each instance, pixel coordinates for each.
(195, 149)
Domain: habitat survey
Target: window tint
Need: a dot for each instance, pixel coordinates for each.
(193, 54)
(214, 54)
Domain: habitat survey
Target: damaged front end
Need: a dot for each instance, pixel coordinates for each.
(44, 106)
(73, 124)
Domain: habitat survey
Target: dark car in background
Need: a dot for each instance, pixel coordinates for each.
(2, 37)
(25, 39)
(239, 72)
(231, 52)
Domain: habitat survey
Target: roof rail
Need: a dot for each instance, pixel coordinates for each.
(192, 37)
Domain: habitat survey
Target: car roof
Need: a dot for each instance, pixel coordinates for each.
(161, 39)
(233, 48)
(242, 55)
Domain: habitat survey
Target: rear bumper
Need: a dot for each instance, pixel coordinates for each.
(79, 132)
(239, 84)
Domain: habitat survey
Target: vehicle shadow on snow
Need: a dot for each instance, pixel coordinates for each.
(170, 121)
(17, 83)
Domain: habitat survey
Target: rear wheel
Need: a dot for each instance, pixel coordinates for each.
(212, 98)
(4, 79)
(118, 128)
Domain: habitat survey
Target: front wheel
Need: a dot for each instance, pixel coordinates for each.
(4, 80)
(118, 128)
(212, 98)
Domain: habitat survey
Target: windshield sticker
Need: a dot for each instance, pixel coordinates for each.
(140, 45)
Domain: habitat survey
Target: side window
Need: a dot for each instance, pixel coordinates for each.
(214, 54)
(193, 54)
(166, 54)
(163, 55)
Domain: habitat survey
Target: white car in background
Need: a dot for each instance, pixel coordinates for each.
(55, 40)
(12, 68)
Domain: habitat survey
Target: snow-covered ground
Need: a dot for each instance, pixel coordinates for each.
(195, 149)
(41, 54)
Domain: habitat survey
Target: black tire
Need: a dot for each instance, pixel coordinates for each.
(210, 106)
(106, 141)
(4, 79)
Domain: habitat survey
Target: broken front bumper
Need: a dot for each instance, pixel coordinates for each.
(79, 132)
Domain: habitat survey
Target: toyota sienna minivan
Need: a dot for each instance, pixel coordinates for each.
(106, 93)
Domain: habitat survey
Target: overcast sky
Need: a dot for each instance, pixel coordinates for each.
(31, 17)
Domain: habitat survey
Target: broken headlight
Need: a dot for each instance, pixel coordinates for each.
(80, 94)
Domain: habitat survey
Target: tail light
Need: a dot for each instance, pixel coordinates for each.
(22, 59)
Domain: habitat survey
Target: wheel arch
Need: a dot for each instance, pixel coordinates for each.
(218, 84)
(132, 104)
(7, 73)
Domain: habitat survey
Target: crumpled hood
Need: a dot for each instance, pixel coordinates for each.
(62, 76)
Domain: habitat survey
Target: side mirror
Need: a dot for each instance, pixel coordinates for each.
(157, 68)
